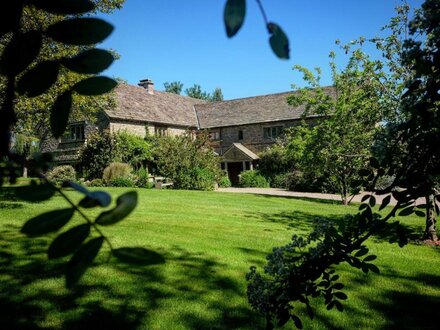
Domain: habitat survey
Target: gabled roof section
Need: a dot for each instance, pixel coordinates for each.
(135, 103)
(242, 154)
(250, 110)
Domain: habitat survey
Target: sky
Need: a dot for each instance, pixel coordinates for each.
(174, 40)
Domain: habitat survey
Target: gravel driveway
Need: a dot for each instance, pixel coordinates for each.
(286, 193)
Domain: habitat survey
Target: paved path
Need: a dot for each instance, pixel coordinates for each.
(286, 193)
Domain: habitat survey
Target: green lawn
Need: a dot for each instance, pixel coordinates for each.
(208, 241)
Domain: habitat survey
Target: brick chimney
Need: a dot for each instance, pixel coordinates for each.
(148, 85)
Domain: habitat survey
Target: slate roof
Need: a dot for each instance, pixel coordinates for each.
(250, 110)
(135, 103)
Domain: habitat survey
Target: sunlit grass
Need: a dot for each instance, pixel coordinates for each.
(209, 240)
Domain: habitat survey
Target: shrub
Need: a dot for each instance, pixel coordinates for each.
(97, 154)
(188, 161)
(281, 181)
(61, 173)
(275, 161)
(224, 181)
(253, 179)
(121, 182)
(141, 179)
(204, 179)
(116, 171)
(103, 148)
(132, 149)
(96, 183)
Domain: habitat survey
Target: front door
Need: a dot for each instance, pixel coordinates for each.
(234, 169)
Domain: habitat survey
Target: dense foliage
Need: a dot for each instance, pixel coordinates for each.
(188, 161)
(304, 269)
(339, 144)
(116, 171)
(60, 174)
(194, 91)
(97, 154)
(103, 148)
(252, 179)
(28, 30)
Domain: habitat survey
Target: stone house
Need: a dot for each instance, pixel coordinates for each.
(239, 129)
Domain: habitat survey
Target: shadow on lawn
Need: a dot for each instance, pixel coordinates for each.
(409, 305)
(32, 294)
(305, 199)
(298, 220)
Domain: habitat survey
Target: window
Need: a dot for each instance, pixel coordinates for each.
(74, 133)
(240, 135)
(272, 132)
(160, 131)
(214, 135)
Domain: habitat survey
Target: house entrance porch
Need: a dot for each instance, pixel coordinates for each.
(237, 159)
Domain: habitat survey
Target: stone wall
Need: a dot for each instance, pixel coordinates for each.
(141, 129)
(133, 128)
(253, 135)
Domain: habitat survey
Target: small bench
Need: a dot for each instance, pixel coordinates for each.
(159, 184)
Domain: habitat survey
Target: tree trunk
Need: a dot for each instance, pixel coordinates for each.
(431, 228)
(25, 172)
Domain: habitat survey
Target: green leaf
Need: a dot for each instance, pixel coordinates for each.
(96, 198)
(339, 306)
(331, 305)
(124, 205)
(91, 61)
(406, 211)
(361, 252)
(297, 321)
(95, 86)
(78, 187)
(370, 258)
(420, 213)
(81, 260)
(278, 41)
(39, 79)
(334, 278)
(234, 14)
(385, 202)
(372, 201)
(68, 242)
(47, 222)
(340, 295)
(64, 7)
(35, 192)
(93, 198)
(138, 256)
(10, 16)
(20, 52)
(80, 31)
(338, 286)
(373, 268)
(59, 114)
(364, 198)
